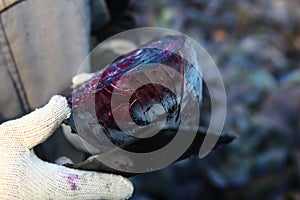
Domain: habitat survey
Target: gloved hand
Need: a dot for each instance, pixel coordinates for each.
(24, 176)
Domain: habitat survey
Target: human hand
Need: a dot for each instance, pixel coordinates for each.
(25, 176)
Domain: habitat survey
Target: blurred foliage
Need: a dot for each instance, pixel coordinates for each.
(256, 45)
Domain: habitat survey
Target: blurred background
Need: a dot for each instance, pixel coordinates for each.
(256, 45)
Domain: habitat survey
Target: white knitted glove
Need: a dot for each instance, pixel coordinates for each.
(24, 176)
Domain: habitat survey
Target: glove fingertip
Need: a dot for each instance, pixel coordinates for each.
(61, 105)
(127, 188)
(81, 78)
(114, 186)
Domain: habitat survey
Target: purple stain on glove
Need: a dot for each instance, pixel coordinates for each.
(71, 179)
